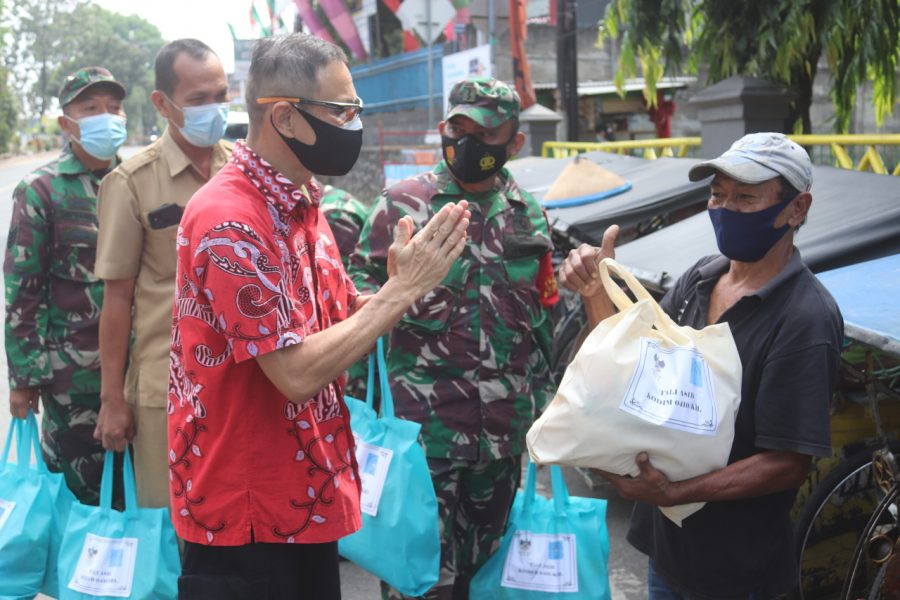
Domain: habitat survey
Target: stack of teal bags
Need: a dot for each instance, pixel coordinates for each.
(51, 544)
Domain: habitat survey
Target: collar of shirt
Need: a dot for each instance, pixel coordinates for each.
(277, 189)
(70, 165)
(711, 271)
(178, 161)
(494, 201)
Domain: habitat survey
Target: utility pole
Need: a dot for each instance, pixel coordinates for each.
(492, 23)
(567, 64)
(430, 64)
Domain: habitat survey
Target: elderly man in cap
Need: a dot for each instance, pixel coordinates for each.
(470, 361)
(788, 331)
(53, 299)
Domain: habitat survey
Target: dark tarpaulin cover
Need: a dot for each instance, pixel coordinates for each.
(658, 186)
(854, 217)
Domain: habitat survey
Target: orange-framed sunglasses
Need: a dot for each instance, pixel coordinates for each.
(345, 111)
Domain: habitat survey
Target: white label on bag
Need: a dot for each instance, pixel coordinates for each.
(543, 562)
(672, 387)
(374, 462)
(6, 508)
(105, 567)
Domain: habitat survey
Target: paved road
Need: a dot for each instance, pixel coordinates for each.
(627, 568)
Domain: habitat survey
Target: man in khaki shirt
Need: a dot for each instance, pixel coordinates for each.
(139, 208)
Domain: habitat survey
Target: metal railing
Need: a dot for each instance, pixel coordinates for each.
(878, 153)
(671, 147)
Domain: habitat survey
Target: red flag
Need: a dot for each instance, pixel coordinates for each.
(521, 69)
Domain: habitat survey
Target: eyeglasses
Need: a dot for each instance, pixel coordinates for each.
(343, 111)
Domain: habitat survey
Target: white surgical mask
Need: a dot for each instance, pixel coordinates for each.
(101, 135)
(203, 125)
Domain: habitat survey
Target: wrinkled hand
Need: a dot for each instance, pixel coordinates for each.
(579, 271)
(22, 399)
(421, 261)
(115, 425)
(651, 485)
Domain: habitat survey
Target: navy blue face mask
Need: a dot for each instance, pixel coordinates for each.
(744, 236)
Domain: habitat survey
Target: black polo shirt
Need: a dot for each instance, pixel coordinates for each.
(789, 336)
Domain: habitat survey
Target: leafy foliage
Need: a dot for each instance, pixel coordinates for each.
(56, 37)
(780, 40)
(9, 114)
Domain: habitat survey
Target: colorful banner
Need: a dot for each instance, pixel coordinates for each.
(521, 69)
(342, 22)
(257, 22)
(311, 20)
(361, 19)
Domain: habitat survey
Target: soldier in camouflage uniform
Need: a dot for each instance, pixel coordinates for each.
(53, 300)
(470, 360)
(345, 215)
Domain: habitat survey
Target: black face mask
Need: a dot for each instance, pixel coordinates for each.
(335, 150)
(471, 160)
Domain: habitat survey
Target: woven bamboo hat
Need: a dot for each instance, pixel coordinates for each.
(582, 182)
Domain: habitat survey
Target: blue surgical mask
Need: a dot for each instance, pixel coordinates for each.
(747, 236)
(101, 135)
(204, 125)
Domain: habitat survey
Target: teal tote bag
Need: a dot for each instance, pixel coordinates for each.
(34, 506)
(553, 549)
(399, 541)
(110, 554)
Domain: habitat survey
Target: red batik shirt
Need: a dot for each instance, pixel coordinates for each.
(258, 270)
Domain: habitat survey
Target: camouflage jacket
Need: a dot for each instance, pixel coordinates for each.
(345, 215)
(470, 360)
(53, 300)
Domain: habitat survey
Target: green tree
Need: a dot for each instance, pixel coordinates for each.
(56, 37)
(9, 111)
(780, 40)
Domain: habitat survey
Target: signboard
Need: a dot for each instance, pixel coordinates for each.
(475, 61)
(243, 51)
(361, 20)
(413, 15)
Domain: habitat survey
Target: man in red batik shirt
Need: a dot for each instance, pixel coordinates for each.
(264, 479)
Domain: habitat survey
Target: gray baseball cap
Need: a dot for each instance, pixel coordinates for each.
(759, 157)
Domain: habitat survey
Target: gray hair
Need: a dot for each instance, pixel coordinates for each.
(287, 65)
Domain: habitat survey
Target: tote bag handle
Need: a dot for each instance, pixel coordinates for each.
(106, 483)
(662, 322)
(26, 434)
(560, 491)
(387, 399)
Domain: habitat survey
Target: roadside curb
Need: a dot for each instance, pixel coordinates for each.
(10, 160)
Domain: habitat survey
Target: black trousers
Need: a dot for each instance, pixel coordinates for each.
(260, 572)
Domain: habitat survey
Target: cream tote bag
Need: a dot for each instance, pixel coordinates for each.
(641, 383)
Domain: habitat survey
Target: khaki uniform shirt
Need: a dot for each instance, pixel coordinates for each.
(128, 247)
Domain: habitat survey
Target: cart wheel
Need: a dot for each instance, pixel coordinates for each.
(830, 523)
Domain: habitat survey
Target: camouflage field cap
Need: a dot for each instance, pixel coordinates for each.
(487, 101)
(84, 78)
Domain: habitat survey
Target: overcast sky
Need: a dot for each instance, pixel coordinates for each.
(206, 20)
